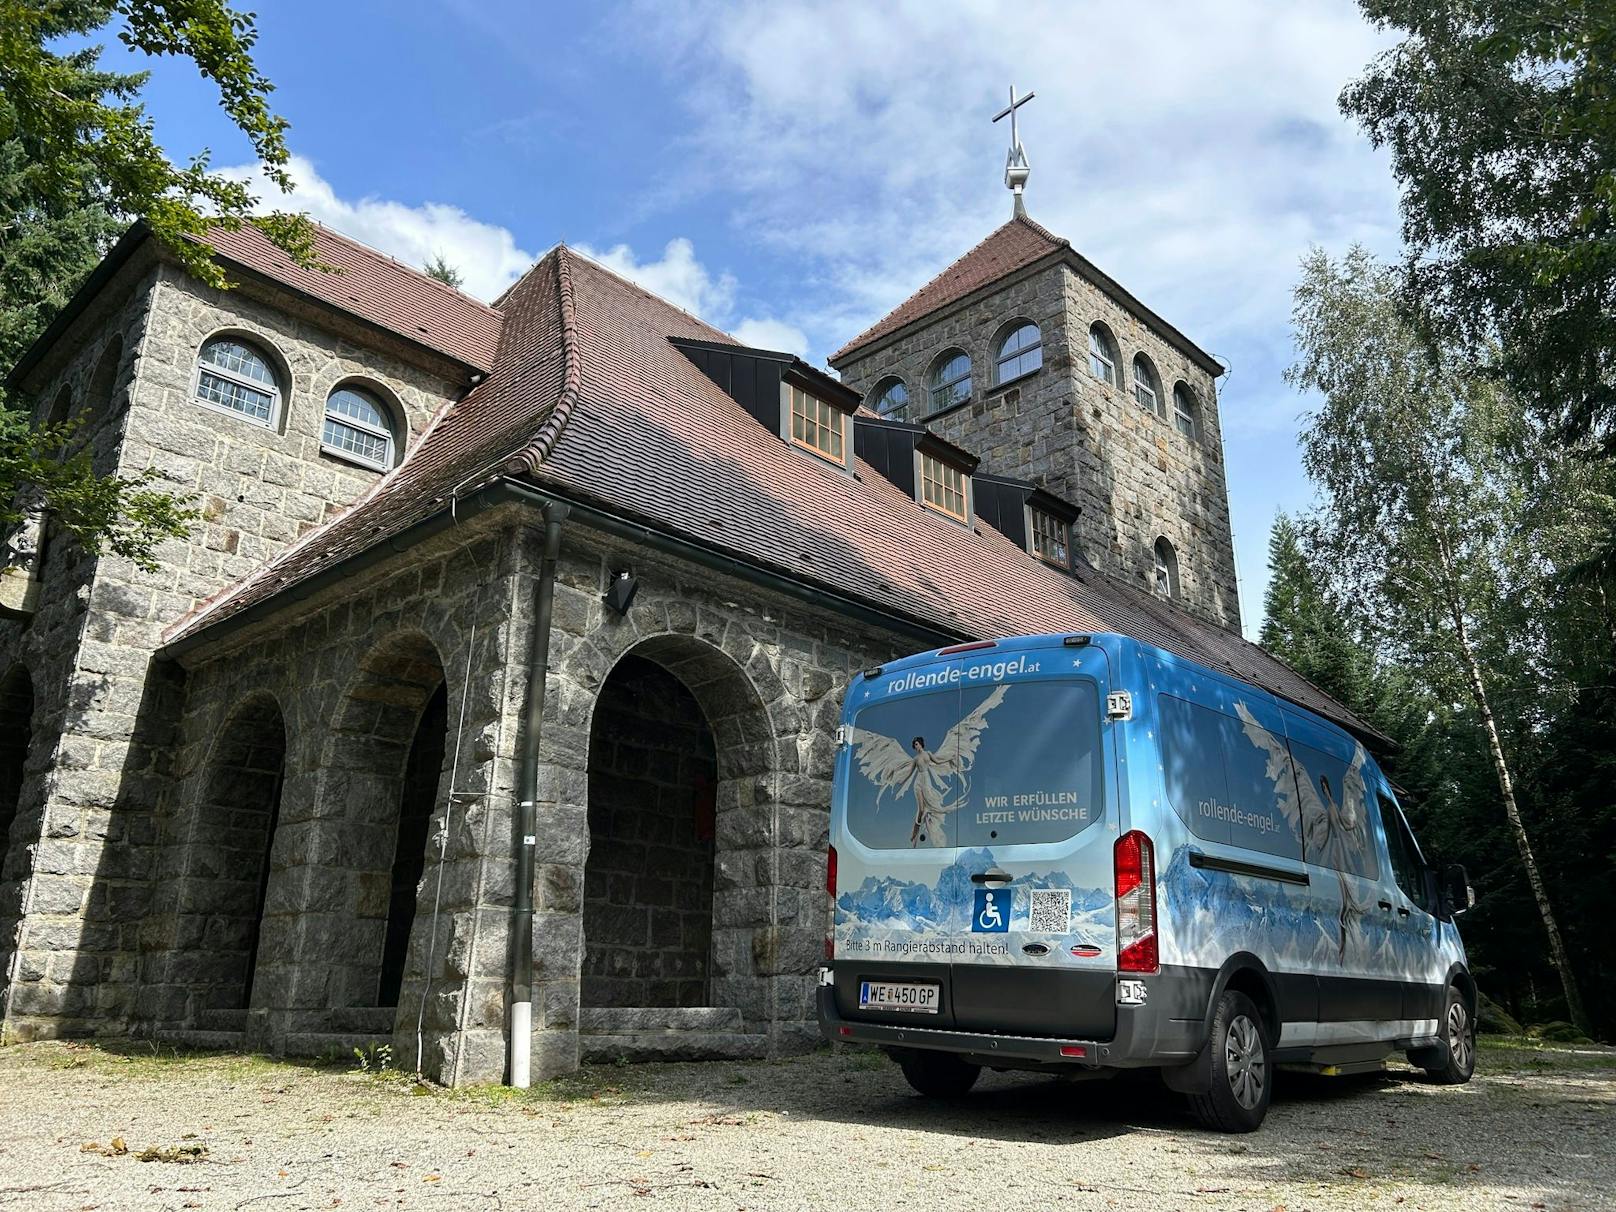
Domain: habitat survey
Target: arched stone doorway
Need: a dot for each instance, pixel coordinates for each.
(384, 765)
(16, 737)
(228, 864)
(677, 907)
(648, 884)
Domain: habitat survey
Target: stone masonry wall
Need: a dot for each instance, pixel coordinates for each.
(648, 885)
(768, 674)
(352, 676)
(106, 709)
(1132, 473)
(77, 943)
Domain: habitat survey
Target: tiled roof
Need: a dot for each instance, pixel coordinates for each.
(1014, 246)
(376, 288)
(590, 397)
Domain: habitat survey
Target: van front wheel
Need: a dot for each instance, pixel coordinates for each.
(937, 1074)
(1454, 1060)
(1242, 1076)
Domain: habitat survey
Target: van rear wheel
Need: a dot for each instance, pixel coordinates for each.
(937, 1074)
(1241, 1074)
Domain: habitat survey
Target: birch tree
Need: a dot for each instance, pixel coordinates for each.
(1430, 476)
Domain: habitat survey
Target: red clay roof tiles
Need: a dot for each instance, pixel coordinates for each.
(1014, 246)
(591, 397)
(376, 288)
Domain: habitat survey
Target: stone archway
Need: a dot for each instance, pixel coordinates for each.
(16, 737)
(227, 865)
(678, 908)
(383, 768)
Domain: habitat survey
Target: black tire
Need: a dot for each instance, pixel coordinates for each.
(938, 1074)
(1242, 1075)
(1453, 1060)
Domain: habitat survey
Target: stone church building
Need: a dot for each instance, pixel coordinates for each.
(493, 697)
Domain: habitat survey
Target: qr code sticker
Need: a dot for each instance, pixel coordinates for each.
(1051, 910)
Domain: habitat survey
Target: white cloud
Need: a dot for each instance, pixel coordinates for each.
(486, 255)
(677, 277)
(1193, 151)
(772, 334)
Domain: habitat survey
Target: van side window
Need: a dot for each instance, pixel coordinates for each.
(1407, 868)
(1229, 779)
(1337, 829)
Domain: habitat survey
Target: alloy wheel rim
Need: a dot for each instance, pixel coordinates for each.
(1247, 1067)
(1459, 1034)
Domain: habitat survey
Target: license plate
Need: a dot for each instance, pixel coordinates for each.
(900, 995)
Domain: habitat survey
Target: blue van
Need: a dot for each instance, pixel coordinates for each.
(1081, 853)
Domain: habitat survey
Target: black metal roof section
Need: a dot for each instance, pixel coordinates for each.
(1002, 502)
(752, 377)
(889, 447)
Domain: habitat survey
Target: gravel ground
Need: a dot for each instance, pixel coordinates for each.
(91, 1127)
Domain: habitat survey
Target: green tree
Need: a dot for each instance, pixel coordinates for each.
(444, 272)
(81, 128)
(1425, 470)
(1500, 116)
(78, 160)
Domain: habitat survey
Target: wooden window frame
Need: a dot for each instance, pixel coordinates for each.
(813, 413)
(1061, 532)
(950, 481)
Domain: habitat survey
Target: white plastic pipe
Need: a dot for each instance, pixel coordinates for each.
(521, 1044)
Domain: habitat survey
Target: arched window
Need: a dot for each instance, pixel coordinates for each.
(1102, 355)
(950, 380)
(1165, 581)
(1020, 353)
(358, 428)
(104, 383)
(61, 407)
(1146, 386)
(891, 399)
(1186, 410)
(234, 376)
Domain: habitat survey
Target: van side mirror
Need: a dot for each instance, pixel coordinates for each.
(1457, 894)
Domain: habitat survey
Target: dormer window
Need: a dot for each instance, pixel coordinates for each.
(1051, 538)
(942, 487)
(817, 426)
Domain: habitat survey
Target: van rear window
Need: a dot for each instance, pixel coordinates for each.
(1008, 764)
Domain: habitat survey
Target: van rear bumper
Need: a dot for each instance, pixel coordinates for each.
(1147, 1035)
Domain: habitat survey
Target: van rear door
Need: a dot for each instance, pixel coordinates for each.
(901, 897)
(1037, 954)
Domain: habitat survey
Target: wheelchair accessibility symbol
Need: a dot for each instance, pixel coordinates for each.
(991, 914)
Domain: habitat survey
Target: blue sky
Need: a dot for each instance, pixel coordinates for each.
(790, 171)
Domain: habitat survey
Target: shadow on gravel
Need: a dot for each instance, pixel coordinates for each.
(1028, 1107)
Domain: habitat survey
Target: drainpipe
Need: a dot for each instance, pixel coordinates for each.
(527, 795)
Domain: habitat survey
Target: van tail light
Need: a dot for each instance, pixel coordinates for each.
(1135, 866)
(830, 920)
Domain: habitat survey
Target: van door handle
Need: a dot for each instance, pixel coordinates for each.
(1386, 905)
(991, 877)
(1402, 911)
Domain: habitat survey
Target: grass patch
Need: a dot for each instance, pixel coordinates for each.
(145, 1059)
(1527, 1055)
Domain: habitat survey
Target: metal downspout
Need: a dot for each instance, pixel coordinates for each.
(527, 797)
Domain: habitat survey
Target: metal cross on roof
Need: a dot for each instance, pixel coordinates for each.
(1016, 168)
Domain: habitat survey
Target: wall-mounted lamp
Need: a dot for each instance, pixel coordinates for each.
(620, 593)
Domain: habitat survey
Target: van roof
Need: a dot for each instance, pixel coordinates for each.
(1114, 641)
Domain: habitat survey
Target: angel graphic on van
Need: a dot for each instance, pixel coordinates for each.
(931, 774)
